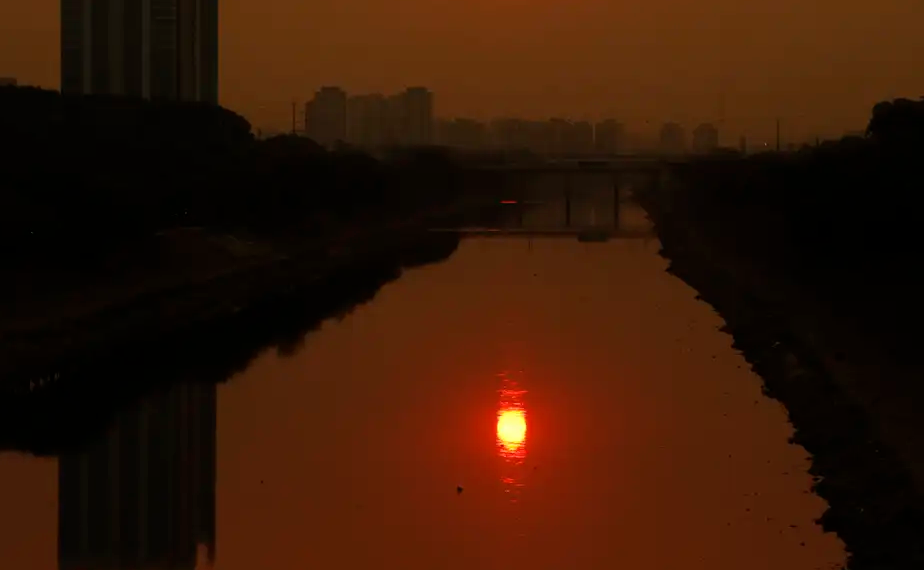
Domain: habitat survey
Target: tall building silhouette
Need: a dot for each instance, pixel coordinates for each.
(143, 495)
(462, 133)
(576, 137)
(609, 136)
(672, 139)
(164, 49)
(367, 120)
(418, 116)
(326, 115)
(705, 138)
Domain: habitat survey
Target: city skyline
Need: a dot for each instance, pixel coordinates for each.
(818, 67)
(375, 120)
(370, 120)
(647, 135)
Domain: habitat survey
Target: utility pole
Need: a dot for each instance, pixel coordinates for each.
(294, 120)
(777, 134)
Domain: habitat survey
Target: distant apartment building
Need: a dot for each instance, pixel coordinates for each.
(161, 49)
(562, 136)
(542, 137)
(367, 120)
(502, 133)
(557, 135)
(409, 118)
(672, 139)
(578, 138)
(462, 133)
(518, 134)
(705, 139)
(443, 132)
(609, 137)
(8, 82)
(418, 119)
(395, 119)
(326, 116)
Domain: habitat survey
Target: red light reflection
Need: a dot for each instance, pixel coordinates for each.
(511, 432)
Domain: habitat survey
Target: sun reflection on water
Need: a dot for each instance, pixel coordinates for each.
(511, 429)
(511, 433)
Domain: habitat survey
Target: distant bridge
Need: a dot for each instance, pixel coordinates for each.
(516, 225)
(619, 172)
(612, 164)
(514, 181)
(584, 234)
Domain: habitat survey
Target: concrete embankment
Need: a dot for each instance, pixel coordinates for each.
(850, 408)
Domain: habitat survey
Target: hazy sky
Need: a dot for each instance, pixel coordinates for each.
(819, 64)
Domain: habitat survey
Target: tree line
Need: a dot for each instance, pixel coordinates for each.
(80, 173)
(843, 216)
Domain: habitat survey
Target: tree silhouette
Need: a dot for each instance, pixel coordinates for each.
(82, 175)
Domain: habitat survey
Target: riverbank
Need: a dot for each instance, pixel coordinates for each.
(197, 276)
(851, 406)
(74, 390)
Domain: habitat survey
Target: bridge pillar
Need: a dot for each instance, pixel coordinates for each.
(567, 201)
(616, 204)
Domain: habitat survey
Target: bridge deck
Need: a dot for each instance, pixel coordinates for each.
(550, 232)
(618, 164)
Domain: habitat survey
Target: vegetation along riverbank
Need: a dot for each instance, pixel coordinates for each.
(810, 259)
(118, 214)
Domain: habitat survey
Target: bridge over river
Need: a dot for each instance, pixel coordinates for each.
(587, 200)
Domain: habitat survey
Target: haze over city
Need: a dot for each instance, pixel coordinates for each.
(817, 66)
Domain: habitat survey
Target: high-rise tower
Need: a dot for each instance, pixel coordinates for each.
(162, 49)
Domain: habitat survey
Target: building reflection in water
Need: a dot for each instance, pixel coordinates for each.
(143, 495)
(511, 433)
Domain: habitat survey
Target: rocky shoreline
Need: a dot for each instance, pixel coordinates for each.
(874, 506)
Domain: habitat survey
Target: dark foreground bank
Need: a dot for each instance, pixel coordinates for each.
(85, 176)
(862, 444)
(103, 198)
(121, 215)
(59, 400)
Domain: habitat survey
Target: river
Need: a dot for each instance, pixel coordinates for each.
(528, 403)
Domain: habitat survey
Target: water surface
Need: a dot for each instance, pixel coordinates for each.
(537, 404)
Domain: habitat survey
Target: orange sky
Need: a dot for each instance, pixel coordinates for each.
(819, 64)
